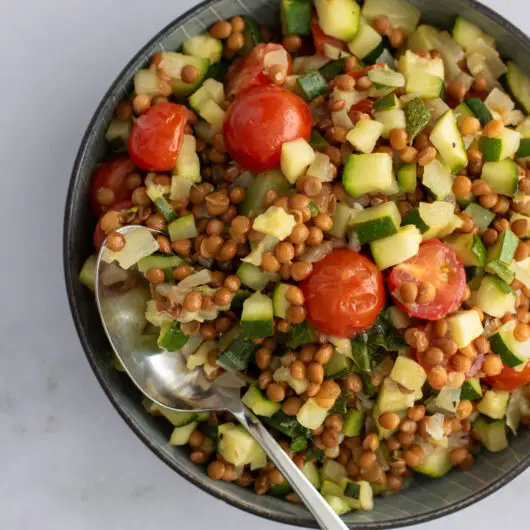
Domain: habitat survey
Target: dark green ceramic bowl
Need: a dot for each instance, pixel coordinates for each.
(426, 499)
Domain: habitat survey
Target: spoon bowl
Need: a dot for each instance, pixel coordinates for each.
(164, 378)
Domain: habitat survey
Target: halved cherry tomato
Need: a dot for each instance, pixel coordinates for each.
(435, 263)
(247, 72)
(509, 379)
(156, 137)
(321, 39)
(344, 293)
(259, 121)
(110, 175)
(365, 106)
(99, 235)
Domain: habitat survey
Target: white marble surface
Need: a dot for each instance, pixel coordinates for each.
(67, 460)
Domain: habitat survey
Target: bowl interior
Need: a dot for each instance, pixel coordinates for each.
(425, 499)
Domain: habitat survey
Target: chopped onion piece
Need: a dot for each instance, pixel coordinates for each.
(318, 252)
(194, 341)
(459, 439)
(513, 410)
(276, 57)
(435, 426)
(448, 399)
(353, 241)
(178, 292)
(320, 168)
(267, 244)
(365, 400)
(139, 243)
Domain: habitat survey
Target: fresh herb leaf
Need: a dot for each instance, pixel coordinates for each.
(361, 353)
(313, 209)
(314, 454)
(298, 444)
(341, 405)
(288, 425)
(367, 346)
(300, 334)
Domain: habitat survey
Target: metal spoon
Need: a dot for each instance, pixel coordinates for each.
(163, 378)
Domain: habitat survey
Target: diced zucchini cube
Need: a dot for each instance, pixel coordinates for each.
(296, 157)
(396, 248)
(465, 327)
(364, 135)
(408, 373)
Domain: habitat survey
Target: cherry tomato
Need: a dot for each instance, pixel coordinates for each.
(365, 106)
(156, 137)
(344, 293)
(99, 235)
(247, 72)
(438, 265)
(110, 175)
(321, 39)
(509, 379)
(259, 121)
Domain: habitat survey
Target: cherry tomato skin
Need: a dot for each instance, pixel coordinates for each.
(435, 263)
(320, 39)
(247, 72)
(99, 235)
(365, 106)
(344, 294)
(357, 74)
(156, 137)
(509, 379)
(260, 121)
(112, 175)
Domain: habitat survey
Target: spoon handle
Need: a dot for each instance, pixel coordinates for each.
(321, 510)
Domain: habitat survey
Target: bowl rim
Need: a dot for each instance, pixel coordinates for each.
(91, 356)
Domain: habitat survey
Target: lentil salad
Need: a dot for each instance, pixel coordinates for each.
(345, 206)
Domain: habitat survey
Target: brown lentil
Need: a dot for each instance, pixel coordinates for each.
(521, 332)
(141, 103)
(456, 89)
(397, 37)
(116, 242)
(398, 139)
(461, 186)
(408, 155)
(409, 292)
(492, 365)
(296, 314)
(363, 83)
(437, 377)
(426, 156)
(221, 29)
(189, 74)
(275, 392)
(493, 129)
(469, 126)
(345, 82)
